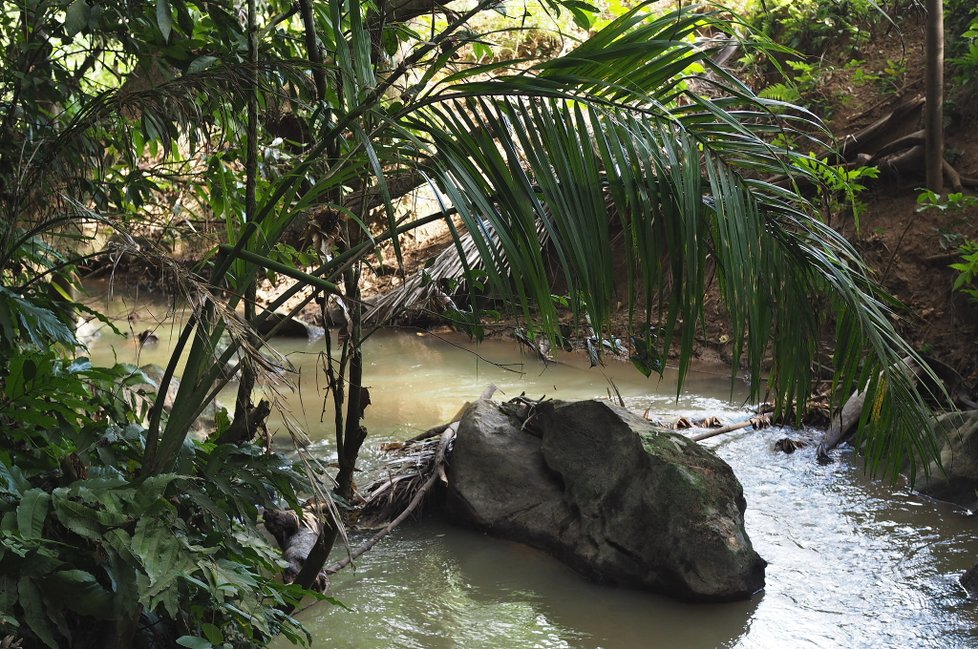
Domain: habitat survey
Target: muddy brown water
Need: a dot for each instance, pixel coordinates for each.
(853, 562)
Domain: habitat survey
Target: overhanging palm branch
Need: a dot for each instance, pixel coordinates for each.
(614, 122)
(609, 139)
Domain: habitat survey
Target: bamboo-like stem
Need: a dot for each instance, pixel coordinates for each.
(246, 385)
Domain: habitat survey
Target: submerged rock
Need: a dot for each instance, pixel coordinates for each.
(608, 493)
(956, 479)
(288, 327)
(969, 581)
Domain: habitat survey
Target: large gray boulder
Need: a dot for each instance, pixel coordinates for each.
(619, 500)
(956, 478)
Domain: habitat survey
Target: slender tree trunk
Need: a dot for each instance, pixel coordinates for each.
(246, 386)
(934, 109)
(353, 434)
(312, 48)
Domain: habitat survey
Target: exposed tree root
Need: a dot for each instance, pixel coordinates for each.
(913, 139)
(905, 162)
(899, 156)
(862, 140)
(952, 176)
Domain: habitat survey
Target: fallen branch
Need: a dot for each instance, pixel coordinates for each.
(428, 434)
(757, 421)
(439, 429)
(842, 422)
(437, 472)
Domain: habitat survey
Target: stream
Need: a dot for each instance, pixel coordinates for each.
(853, 562)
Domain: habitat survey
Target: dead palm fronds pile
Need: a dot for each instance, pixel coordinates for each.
(411, 469)
(425, 289)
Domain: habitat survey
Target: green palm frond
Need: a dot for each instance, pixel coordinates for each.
(611, 140)
(608, 151)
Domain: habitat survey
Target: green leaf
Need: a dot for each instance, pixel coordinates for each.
(76, 17)
(151, 490)
(582, 19)
(80, 591)
(212, 633)
(78, 518)
(194, 642)
(391, 42)
(41, 325)
(201, 63)
(481, 50)
(32, 512)
(13, 480)
(164, 18)
(8, 598)
(164, 557)
(34, 615)
(122, 568)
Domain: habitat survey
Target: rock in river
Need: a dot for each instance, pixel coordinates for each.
(286, 327)
(608, 493)
(955, 479)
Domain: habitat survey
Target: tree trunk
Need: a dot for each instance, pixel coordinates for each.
(242, 403)
(357, 397)
(934, 108)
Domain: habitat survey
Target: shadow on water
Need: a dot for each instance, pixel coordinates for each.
(438, 586)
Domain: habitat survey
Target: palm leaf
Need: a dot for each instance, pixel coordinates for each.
(584, 136)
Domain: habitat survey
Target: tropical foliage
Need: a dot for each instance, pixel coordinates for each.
(294, 128)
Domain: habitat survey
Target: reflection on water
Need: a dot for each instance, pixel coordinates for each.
(419, 380)
(853, 563)
(437, 586)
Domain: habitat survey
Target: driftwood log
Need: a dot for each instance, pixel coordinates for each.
(296, 538)
(843, 422)
(940, 383)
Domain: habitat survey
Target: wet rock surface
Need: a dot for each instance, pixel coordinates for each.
(608, 493)
(956, 479)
